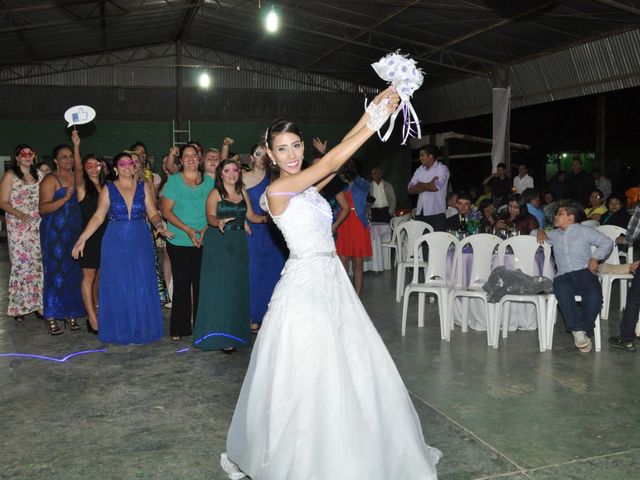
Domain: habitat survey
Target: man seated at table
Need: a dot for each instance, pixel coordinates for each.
(459, 221)
(385, 197)
(452, 204)
(577, 267)
(626, 340)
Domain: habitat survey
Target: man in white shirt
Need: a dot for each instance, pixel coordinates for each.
(430, 181)
(385, 203)
(522, 181)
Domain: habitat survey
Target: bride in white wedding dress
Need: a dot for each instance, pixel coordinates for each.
(322, 398)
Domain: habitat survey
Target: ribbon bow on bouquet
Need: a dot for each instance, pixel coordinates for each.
(401, 72)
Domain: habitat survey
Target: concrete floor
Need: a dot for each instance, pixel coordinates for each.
(152, 412)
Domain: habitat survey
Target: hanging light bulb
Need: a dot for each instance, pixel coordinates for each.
(272, 21)
(204, 80)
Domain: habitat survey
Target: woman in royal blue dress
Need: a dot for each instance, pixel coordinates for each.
(129, 304)
(267, 249)
(60, 226)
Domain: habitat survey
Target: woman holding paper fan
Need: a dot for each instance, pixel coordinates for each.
(60, 227)
(322, 398)
(90, 179)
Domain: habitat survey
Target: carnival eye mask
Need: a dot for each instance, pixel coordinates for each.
(92, 166)
(127, 163)
(26, 154)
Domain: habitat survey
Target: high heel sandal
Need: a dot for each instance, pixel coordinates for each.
(53, 328)
(19, 318)
(90, 329)
(72, 324)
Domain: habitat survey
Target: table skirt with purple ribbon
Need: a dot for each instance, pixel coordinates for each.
(522, 316)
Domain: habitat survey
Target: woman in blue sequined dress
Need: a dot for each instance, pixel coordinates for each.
(129, 304)
(59, 229)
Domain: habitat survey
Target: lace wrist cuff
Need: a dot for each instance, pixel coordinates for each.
(378, 115)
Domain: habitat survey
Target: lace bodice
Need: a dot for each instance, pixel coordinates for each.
(118, 208)
(306, 223)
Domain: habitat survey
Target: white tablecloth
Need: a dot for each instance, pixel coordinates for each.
(522, 316)
(381, 257)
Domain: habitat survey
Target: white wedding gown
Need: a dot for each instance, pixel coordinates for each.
(322, 398)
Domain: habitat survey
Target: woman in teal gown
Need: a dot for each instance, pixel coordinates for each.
(223, 319)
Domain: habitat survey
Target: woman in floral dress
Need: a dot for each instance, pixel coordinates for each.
(19, 199)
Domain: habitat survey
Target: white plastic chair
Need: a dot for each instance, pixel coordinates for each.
(436, 280)
(483, 246)
(408, 232)
(607, 279)
(590, 223)
(552, 314)
(524, 249)
(393, 243)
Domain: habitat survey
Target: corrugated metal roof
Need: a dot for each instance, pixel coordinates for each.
(133, 68)
(452, 40)
(611, 63)
(552, 50)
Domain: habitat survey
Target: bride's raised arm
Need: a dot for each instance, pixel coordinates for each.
(286, 150)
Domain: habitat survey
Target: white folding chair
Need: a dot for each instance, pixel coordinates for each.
(483, 246)
(436, 280)
(408, 232)
(590, 223)
(524, 249)
(607, 279)
(393, 243)
(552, 314)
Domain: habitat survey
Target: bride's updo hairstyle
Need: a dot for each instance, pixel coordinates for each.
(278, 126)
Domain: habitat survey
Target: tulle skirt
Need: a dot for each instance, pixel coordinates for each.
(322, 398)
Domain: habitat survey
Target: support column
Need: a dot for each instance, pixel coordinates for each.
(501, 146)
(601, 132)
(178, 113)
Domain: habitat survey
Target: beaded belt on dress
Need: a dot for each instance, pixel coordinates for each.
(312, 255)
(234, 227)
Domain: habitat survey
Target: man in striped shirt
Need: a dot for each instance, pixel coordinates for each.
(627, 337)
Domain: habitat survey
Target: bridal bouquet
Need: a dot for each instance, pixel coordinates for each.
(401, 72)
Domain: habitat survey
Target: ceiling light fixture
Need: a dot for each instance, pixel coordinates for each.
(204, 80)
(272, 21)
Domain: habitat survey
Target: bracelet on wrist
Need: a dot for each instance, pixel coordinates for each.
(378, 115)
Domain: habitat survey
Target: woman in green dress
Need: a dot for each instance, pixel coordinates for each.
(223, 319)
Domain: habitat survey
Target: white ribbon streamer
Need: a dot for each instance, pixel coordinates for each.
(401, 72)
